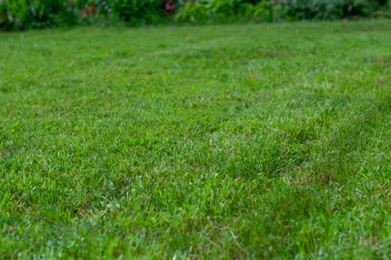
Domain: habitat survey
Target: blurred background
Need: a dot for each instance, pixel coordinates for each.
(34, 14)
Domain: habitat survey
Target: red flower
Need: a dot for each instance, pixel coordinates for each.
(91, 8)
(84, 11)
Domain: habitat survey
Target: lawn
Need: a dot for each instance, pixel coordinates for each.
(218, 141)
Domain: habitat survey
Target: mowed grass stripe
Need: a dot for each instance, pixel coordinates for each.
(230, 141)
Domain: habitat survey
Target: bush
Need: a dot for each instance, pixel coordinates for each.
(268, 10)
(24, 14)
(325, 9)
(138, 11)
(224, 10)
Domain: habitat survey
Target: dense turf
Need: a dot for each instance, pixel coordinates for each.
(215, 141)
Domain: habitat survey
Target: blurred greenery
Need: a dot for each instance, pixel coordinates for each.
(26, 14)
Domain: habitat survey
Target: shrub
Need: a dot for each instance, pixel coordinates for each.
(223, 10)
(24, 14)
(138, 11)
(324, 9)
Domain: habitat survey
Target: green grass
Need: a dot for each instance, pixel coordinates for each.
(234, 141)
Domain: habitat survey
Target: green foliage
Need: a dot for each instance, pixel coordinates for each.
(3, 16)
(224, 11)
(324, 9)
(265, 10)
(193, 12)
(138, 11)
(24, 14)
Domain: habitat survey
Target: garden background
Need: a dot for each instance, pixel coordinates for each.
(27, 14)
